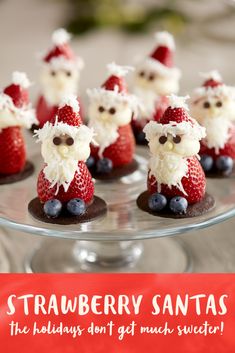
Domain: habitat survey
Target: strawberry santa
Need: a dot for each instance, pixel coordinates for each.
(60, 74)
(110, 112)
(15, 112)
(213, 105)
(176, 179)
(65, 187)
(156, 77)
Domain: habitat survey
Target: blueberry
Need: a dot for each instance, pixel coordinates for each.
(206, 162)
(90, 162)
(52, 208)
(178, 205)
(76, 207)
(224, 164)
(157, 202)
(140, 137)
(104, 166)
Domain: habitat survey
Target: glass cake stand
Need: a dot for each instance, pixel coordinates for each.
(114, 242)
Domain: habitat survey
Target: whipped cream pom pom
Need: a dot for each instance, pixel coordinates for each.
(60, 36)
(178, 102)
(214, 75)
(20, 79)
(72, 102)
(165, 39)
(118, 70)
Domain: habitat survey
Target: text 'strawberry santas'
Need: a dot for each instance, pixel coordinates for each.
(65, 187)
(59, 77)
(156, 77)
(110, 112)
(15, 112)
(176, 180)
(213, 105)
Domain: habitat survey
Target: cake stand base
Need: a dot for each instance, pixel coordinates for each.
(158, 255)
(5, 263)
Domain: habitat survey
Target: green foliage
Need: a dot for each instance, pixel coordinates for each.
(86, 15)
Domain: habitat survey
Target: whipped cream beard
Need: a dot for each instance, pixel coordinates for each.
(149, 85)
(216, 114)
(61, 154)
(105, 118)
(11, 116)
(57, 83)
(168, 162)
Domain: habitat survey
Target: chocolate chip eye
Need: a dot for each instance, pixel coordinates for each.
(141, 73)
(206, 105)
(112, 110)
(53, 73)
(162, 139)
(177, 139)
(151, 77)
(219, 104)
(101, 109)
(57, 141)
(69, 141)
(68, 73)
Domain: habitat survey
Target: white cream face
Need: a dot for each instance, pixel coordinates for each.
(181, 145)
(152, 81)
(8, 118)
(213, 107)
(65, 148)
(58, 83)
(116, 114)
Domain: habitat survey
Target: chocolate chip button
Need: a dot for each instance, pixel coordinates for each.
(101, 109)
(219, 104)
(57, 141)
(69, 141)
(112, 110)
(177, 139)
(162, 139)
(206, 105)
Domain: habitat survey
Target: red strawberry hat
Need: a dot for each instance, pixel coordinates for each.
(161, 59)
(175, 121)
(67, 121)
(61, 55)
(18, 89)
(212, 79)
(116, 81)
(114, 89)
(212, 86)
(68, 112)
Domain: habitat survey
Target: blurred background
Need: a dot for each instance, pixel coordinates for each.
(122, 30)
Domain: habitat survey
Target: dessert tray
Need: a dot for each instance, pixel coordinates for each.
(113, 242)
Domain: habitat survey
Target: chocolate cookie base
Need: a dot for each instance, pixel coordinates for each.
(14, 178)
(116, 173)
(96, 209)
(194, 210)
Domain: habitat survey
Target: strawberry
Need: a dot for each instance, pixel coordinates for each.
(139, 124)
(194, 184)
(12, 151)
(44, 111)
(114, 81)
(122, 150)
(162, 105)
(81, 187)
(175, 114)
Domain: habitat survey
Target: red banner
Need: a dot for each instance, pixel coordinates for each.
(126, 313)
